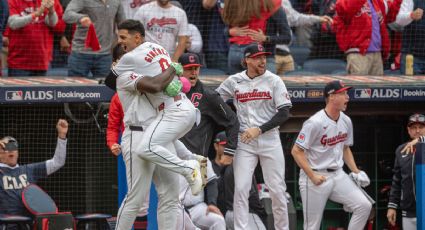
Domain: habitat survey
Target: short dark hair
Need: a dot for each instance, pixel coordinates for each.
(132, 26)
(117, 52)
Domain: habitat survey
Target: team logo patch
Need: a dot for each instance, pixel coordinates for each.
(14, 95)
(362, 93)
(301, 138)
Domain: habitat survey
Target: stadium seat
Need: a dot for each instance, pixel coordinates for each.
(22, 222)
(84, 221)
(301, 73)
(208, 71)
(339, 72)
(324, 66)
(299, 54)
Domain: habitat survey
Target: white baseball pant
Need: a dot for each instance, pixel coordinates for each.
(171, 123)
(409, 223)
(339, 188)
(202, 220)
(140, 173)
(254, 221)
(184, 222)
(267, 149)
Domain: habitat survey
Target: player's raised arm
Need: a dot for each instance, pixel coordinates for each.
(159, 82)
(58, 160)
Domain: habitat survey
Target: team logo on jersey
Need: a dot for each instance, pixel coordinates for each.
(331, 141)
(196, 97)
(162, 21)
(301, 138)
(253, 96)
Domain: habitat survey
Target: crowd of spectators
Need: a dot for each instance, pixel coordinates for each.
(372, 37)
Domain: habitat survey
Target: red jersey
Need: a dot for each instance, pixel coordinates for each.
(30, 47)
(115, 121)
(256, 24)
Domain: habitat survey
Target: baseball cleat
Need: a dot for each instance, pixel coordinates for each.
(195, 179)
(203, 166)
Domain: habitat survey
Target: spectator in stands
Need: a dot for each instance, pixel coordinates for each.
(215, 113)
(226, 187)
(402, 195)
(216, 46)
(284, 60)
(104, 16)
(132, 6)
(361, 31)
(166, 25)
(16, 177)
(242, 16)
(30, 36)
(194, 39)
(322, 36)
(278, 31)
(202, 208)
(4, 14)
(61, 44)
(411, 17)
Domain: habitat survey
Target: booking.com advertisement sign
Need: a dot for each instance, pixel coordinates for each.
(18, 95)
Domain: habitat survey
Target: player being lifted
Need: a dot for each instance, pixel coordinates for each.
(153, 124)
(262, 104)
(322, 147)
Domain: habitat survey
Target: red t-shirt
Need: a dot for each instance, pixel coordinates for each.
(30, 47)
(256, 24)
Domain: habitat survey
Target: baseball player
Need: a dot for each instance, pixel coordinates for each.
(215, 112)
(322, 147)
(402, 195)
(202, 208)
(15, 177)
(262, 104)
(153, 123)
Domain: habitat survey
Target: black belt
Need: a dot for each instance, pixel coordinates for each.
(136, 128)
(327, 170)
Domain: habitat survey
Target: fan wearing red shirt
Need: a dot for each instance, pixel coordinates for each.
(31, 27)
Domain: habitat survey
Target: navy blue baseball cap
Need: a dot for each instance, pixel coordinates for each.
(221, 138)
(416, 118)
(11, 145)
(333, 87)
(254, 50)
(190, 60)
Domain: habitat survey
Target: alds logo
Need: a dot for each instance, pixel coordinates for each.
(253, 96)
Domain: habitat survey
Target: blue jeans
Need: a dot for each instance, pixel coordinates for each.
(271, 63)
(80, 65)
(418, 65)
(25, 73)
(235, 58)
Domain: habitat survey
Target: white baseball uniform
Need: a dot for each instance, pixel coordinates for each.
(257, 101)
(143, 150)
(323, 141)
(196, 206)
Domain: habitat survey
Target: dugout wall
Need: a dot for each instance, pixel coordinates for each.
(30, 108)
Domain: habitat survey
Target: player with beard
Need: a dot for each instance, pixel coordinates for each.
(262, 104)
